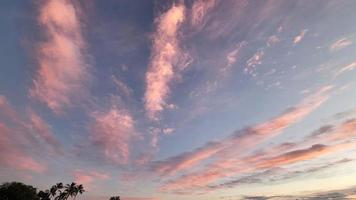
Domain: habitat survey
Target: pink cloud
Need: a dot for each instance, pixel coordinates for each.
(228, 152)
(331, 134)
(7, 111)
(164, 60)
(185, 161)
(12, 155)
(244, 138)
(43, 131)
(62, 71)
(293, 114)
(199, 11)
(87, 178)
(232, 56)
(293, 156)
(113, 131)
(200, 181)
(25, 137)
(273, 157)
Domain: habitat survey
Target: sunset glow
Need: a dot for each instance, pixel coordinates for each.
(180, 99)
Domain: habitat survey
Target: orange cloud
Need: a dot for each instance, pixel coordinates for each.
(346, 68)
(62, 71)
(340, 44)
(299, 37)
(164, 58)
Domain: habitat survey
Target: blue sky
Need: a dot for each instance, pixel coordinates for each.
(195, 99)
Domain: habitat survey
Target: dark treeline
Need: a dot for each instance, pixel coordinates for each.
(59, 191)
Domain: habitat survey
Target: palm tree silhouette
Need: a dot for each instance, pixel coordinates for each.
(69, 190)
(115, 198)
(79, 189)
(55, 188)
(72, 190)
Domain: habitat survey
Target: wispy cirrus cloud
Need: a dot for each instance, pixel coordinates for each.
(25, 138)
(341, 139)
(165, 55)
(341, 194)
(12, 155)
(123, 89)
(240, 139)
(44, 131)
(346, 68)
(87, 178)
(62, 68)
(340, 44)
(279, 174)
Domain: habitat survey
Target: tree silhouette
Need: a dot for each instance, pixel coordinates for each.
(115, 198)
(60, 192)
(20, 191)
(44, 195)
(17, 191)
(73, 189)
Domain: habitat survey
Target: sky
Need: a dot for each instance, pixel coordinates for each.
(185, 99)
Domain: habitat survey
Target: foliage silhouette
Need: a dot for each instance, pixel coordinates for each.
(61, 192)
(17, 191)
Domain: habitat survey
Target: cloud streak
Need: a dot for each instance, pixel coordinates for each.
(233, 145)
(340, 44)
(278, 174)
(164, 60)
(346, 68)
(24, 139)
(300, 37)
(340, 140)
(87, 178)
(62, 67)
